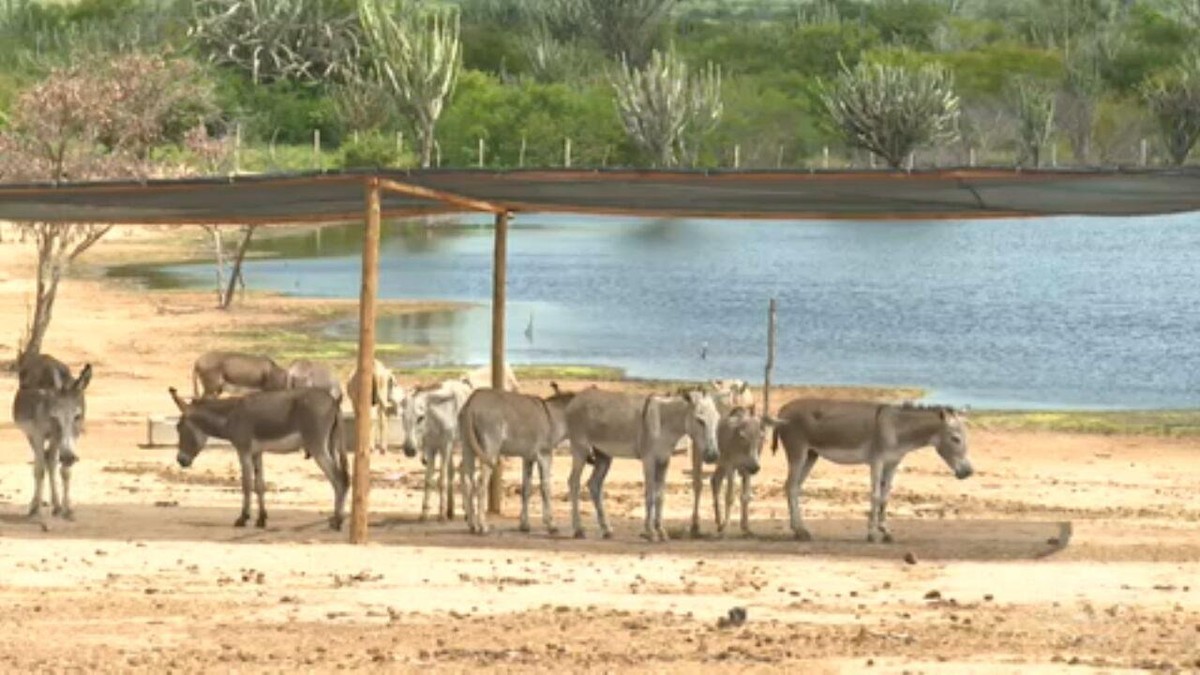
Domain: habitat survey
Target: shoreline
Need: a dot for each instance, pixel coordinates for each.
(288, 326)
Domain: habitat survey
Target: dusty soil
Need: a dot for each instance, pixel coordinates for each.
(1065, 552)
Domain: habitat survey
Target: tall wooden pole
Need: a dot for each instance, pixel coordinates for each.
(770, 357)
(366, 365)
(499, 282)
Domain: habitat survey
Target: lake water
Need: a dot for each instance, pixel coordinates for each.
(1046, 313)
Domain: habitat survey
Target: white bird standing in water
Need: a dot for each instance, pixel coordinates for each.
(703, 350)
(529, 328)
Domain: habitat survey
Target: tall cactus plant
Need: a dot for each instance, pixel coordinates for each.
(665, 108)
(1174, 100)
(415, 56)
(1035, 117)
(890, 110)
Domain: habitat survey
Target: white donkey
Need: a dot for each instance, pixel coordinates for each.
(385, 402)
(430, 418)
(49, 408)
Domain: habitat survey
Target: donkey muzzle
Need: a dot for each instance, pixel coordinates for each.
(410, 450)
(963, 471)
(753, 468)
(184, 460)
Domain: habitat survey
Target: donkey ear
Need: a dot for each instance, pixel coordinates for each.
(85, 378)
(183, 406)
(554, 386)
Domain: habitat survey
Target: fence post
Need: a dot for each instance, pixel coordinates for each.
(912, 160)
(317, 148)
(870, 159)
(521, 156)
(971, 157)
(779, 158)
(399, 143)
(1144, 153)
(737, 156)
(825, 157)
(237, 148)
(1054, 155)
(437, 154)
(481, 152)
(567, 153)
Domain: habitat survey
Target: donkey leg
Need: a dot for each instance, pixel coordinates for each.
(718, 477)
(247, 485)
(337, 476)
(445, 501)
(747, 494)
(648, 483)
(660, 489)
(873, 533)
(573, 485)
(52, 477)
(526, 484)
(39, 473)
(485, 479)
(544, 483)
(798, 471)
(697, 491)
(430, 483)
(602, 464)
(260, 489)
(466, 477)
(67, 513)
(886, 480)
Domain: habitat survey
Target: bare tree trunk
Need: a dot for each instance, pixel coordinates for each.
(426, 138)
(56, 247)
(219, 252)
(235, 274)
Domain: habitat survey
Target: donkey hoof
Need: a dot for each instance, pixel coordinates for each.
(241, 521)
(874, 538)
(66, 514)
(887, 537)
(523, 527)
(335, 524)
(648, 536)
(261, 522)
(424, 518)
(607, 534)
(579, 534)
(552, 530)
(662, 535)
(695, 532)
(802, 535)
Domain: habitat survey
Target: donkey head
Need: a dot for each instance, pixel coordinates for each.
(66, 409)
(951, 443)
(191, 438)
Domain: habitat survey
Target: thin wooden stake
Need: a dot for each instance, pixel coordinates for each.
(770, 357)
(737, 156)
(399, 143)
(521, 156)
(971, 157)
(237, 148)
(481, 152)
(779, 159)
(825, 157)
(366, 364)
(317, 148)
(1144, 154)
(567, 153)
(499, 296)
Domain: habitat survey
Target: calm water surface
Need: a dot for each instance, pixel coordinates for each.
(1067, 312)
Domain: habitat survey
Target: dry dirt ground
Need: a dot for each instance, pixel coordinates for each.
(1064, 552)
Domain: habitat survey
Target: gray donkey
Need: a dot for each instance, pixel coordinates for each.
(49, 409)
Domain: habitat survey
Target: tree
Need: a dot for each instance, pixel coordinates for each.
(415, 56)
(890, 110)
(97, 120)
(1174, 100)
(304, 40)
(628, 30)
(665, 108)
(1034, 102)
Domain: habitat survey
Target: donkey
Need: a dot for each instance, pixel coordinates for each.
(430, 417)
(305, 373)
(51, 414)
(860, 432)
(503, 423)
(269, 421)
(602, 425)
(213, 371)
(385, 401)
(740, 438)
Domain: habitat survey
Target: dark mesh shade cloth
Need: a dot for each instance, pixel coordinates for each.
(333, 197)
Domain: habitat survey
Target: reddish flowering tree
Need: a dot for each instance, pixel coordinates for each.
(93, 120)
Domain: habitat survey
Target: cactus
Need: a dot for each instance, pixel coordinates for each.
(665, 108)
(1174, 100)
(1035, 117)
(416, 57)
(890, 110)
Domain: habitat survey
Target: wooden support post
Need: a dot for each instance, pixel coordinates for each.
(567, 153)
(366, 365)
(737, 156)
(481, 152)
(1144, 156)
(499, 295)
(971, 157)
(317, 149)
(521, 156)
(770, 358)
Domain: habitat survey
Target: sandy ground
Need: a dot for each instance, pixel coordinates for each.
(1065, 552)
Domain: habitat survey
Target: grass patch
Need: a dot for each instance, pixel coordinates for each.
(541, 372)
(288, 345)
(1164, 423)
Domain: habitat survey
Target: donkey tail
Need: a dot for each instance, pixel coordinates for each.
(470, 440)
(195, 383)
(775, 440)
(337, 445)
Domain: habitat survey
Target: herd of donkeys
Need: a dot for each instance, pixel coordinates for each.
(260, 407)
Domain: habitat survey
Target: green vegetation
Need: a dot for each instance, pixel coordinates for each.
(537, 74)
(1167, 423)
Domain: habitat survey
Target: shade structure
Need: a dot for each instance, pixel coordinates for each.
(372, 195)
(884, 194)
